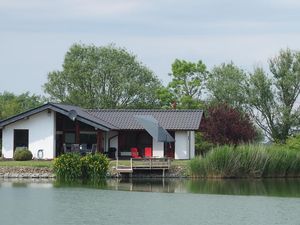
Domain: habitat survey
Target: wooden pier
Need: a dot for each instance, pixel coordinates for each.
(145, 164)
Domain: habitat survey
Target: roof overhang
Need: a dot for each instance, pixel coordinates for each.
(54, 108)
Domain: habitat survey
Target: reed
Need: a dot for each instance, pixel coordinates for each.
(254, 161)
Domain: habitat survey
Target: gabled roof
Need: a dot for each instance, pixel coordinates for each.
(81, 115)
(169, 119)
(119, 119)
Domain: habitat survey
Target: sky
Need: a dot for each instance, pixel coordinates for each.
(36, 34)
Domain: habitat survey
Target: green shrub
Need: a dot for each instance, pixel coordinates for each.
(71, 166)
(0, 147)
(67, 167)
(95, 166)
(202, 147)
(293, 143)
(22, 154)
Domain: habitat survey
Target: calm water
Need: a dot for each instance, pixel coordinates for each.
(176, 202)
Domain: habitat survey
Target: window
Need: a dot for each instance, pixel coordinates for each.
(20, 139)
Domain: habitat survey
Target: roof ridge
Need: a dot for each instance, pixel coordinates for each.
(150, 110)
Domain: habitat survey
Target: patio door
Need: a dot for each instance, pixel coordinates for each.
(20, 139)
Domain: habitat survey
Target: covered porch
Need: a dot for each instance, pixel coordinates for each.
(124, 142)
(77, 136)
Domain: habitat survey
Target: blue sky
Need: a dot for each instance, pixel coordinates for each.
(35, 34)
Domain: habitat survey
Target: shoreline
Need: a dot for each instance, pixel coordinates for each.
(177, 172)
(26, 172)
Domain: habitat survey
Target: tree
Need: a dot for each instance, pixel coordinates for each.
(102, 77)
(226, 125)
(272, 97)
(11, 104)
(187, 83)
(226, 84)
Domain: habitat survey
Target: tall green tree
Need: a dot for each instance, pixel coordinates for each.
(272, 97)
(226, 84)
(187, 83)
(11, 104)
(103, 77)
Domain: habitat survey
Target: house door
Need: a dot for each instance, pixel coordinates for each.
(169, 148)
(20, 139)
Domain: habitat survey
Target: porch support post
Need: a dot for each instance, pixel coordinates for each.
(77, 131)
(99, 141)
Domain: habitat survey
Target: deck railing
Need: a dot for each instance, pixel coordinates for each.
(143, 164)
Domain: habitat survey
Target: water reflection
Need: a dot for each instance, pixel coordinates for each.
(265, 187)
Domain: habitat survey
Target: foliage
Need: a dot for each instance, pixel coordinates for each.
(22, 154)
(94, 167)
(103, 77)
(166, 98)
(247, 161)
(226, 125)
(226, 84)
(201, 145)
(68, 167)
(71, 166)
(11, 104)
(272, 97)
(282, 162)
(293, 142)
(187, 83)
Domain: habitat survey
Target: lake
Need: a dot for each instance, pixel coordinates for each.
(153, 202)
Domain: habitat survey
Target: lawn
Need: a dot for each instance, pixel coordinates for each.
(31, 163)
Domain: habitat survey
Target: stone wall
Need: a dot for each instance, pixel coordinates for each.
(26, 172)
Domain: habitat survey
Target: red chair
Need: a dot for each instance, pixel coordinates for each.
(135, 153)
(148, 152)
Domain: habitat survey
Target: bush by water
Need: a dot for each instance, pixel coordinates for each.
(71, 166)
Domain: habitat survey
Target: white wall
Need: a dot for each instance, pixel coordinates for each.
(158, 148)
(192, 144)
(41, 130)
(184, 144)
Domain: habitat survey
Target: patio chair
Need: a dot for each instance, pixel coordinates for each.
(135, 153)
(75, 148)
(66, 149)
(148, 152)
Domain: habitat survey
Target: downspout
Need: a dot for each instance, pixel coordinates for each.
(189, 139)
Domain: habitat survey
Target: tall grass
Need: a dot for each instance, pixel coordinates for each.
(247, 161)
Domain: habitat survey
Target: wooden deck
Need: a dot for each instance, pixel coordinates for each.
(146, 164)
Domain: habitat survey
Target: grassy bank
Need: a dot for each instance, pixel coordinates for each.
(253, 161)
(31, 163)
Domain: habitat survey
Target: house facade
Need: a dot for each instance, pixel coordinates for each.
(53, 129)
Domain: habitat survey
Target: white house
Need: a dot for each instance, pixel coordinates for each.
(52, 129)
